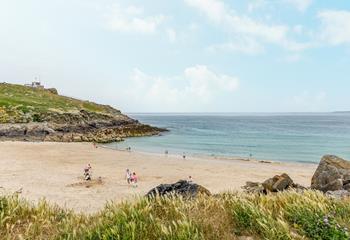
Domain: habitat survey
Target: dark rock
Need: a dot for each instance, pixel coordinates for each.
(332, 174)
(102, 131)
(183, 188)
(298, 187)
(52, 90)
(347, 187)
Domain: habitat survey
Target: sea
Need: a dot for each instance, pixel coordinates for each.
(284, 137)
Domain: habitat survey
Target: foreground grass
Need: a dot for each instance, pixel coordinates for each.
(288, 215)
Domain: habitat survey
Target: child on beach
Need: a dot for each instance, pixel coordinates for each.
(134, 179)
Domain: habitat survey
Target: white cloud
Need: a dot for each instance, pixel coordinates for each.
(194, 89)
(256, 4)
(200, 77)
(245, 27)
(131, 19)
(214, 9)
(300, 5)
(217, 12)
(335, 26)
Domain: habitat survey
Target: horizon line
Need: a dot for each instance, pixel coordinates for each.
(306, 112)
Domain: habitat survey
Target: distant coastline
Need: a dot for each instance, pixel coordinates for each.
(232, 113)
(341, 112)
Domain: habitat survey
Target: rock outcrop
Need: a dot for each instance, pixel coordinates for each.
(332, 174)
(275, 184)
(85, 131)
(52, 90)
(183, 188)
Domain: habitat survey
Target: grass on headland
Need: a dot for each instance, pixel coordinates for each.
(17, 102)
(287, 215)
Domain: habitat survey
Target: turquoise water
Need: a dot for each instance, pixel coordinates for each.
(279, 137)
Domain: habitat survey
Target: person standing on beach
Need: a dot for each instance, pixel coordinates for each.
(190, 179)
(128, 176)
(183, 155)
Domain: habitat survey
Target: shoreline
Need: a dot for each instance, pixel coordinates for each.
(213, 157)
(54, 171)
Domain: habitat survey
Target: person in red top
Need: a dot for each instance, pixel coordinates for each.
(134, 179)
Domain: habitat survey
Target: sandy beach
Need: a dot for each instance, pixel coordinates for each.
(54, 171)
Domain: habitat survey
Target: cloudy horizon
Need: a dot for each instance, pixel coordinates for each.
(183, 56)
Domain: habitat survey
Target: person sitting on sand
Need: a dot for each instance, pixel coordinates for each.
(128, 176)
(134, 179)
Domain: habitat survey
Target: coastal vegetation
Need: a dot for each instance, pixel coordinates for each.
(21, 104)
(284, 215)
(38, 114)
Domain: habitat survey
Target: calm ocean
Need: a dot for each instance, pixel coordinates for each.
(279, 137)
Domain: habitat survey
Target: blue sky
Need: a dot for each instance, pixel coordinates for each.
(184, 55)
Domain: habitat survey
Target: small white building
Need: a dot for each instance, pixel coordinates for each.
(34, 85)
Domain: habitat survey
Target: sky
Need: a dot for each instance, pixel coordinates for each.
(183, 55)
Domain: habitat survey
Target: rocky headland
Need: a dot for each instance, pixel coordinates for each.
(32, 114)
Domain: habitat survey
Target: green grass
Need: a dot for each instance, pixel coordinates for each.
(287, 215)
(18, 100)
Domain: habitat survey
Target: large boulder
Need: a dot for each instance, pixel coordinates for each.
(182, 187)
(332, 174)
(277, 183)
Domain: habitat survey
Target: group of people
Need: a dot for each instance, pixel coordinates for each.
(131, 178)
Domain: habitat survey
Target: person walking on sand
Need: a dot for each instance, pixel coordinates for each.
(128, 176)
(183, 155)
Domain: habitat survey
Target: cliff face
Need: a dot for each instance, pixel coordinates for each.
(41, 115)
